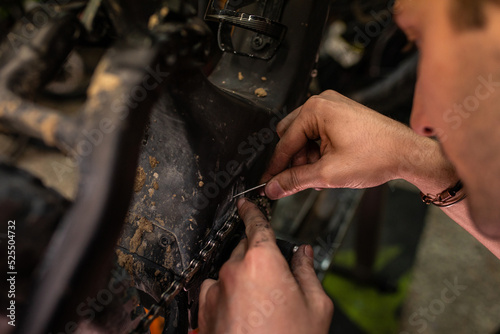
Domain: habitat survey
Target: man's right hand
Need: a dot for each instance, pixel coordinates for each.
(359, 148)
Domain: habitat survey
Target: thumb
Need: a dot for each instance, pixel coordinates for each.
(303, 270)
(293, 180)
(206, 306)
(205, 287)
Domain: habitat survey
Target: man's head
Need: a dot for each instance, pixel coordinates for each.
(457, 97)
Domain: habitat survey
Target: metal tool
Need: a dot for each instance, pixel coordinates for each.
(249, 190)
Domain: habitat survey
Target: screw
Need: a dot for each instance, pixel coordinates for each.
(164, 241)
(257, 43)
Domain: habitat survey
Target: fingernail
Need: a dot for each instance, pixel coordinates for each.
(274, 190)
(309, 252)
(240, 202)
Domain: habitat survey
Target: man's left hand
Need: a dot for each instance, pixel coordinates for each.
(258, 293)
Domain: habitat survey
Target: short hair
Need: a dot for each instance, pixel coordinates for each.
(467, 14)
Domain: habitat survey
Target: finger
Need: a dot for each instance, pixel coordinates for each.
(293, 180)
(285, 123)
(258, 229)
(239, 251)
(301, 158)
(307, 155)
(303, 270)
(333, 95)
(288, 120)
(284, 151)
(293, 140)
(313, 152)
(281, 128)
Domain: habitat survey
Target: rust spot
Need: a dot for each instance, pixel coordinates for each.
(140, 179)
(143, 225)
(141, 249)
(168, 262)
(125, 261)
(155, 185)
(160, 221)
(260, 92)
(153, 162)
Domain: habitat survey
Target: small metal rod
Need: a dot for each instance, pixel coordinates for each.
(249, 190)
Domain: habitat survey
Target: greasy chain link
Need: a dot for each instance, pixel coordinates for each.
(177, 285)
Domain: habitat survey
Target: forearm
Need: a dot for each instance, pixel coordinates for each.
(424, 165)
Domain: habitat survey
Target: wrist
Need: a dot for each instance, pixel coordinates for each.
(423, 164)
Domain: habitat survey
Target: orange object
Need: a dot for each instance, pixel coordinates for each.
(157, 325)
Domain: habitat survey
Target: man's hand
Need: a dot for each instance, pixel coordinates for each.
(256, 291)
(359, 148)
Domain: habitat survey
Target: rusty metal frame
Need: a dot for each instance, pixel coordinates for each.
(85, 243)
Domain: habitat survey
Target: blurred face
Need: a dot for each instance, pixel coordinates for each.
(457, 97)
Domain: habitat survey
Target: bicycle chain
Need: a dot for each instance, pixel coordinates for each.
(177, 285)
